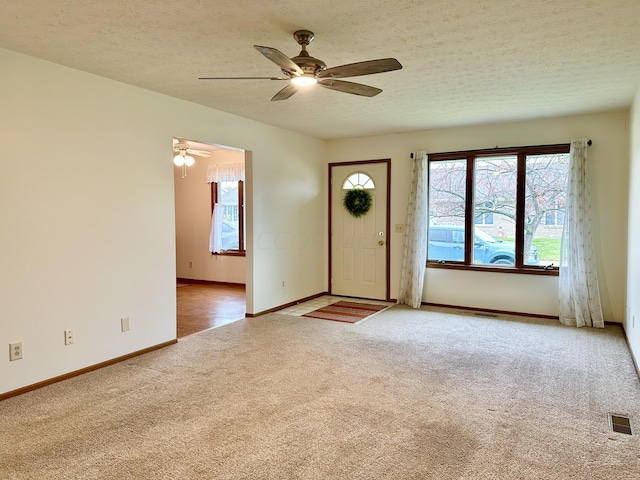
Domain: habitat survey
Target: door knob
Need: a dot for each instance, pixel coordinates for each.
(381, 242)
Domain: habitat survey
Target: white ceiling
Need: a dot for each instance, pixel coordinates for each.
(465, 62)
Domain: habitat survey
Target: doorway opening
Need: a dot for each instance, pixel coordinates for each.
(211, 267)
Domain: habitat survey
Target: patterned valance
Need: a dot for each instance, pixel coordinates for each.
(225, 172)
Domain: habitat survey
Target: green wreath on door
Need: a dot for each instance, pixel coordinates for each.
(357, 201)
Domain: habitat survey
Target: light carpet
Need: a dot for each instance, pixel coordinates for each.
(408, 394)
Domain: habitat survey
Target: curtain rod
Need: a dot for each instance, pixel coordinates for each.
(589, 143)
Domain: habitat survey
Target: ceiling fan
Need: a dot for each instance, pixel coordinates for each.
(305, 70)
(183, 158)
(184, 147)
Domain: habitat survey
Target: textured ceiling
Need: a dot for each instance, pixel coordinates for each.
(465, 62)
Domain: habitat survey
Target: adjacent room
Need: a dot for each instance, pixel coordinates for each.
(210, 253)
(318, 240)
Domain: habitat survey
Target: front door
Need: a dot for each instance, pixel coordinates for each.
(359, 246)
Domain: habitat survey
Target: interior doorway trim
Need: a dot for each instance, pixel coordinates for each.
(386, 161)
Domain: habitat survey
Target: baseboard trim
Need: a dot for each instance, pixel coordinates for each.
(633, 358)
(286, 305)
(210, 282)
(488, 310)
(75, 373)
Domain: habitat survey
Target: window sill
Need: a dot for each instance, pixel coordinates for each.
(230, 253)
(554, 272)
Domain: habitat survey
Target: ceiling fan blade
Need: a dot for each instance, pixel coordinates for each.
(244, 78)
(285, 93)
(361, 68)
(280, 59)
(198, 153)
(350, 87)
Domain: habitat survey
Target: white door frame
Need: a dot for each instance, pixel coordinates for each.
(387, 246)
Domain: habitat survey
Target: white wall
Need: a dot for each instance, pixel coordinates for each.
(193, 224)
(608, 170)
(87, 214)
(632, 317)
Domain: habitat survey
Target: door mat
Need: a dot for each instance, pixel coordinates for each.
(349, 312)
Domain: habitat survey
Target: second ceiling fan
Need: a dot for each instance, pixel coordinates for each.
(307, 70)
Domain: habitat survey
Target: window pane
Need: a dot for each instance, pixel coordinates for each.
(358, 180)
(545, 197)
(228, 197)
(495, 184)
(550, 218)
(485, 218)
(488, 218)
(447, 194)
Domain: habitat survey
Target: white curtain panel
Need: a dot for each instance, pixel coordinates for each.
(215, 237)
(414, 247)
(578, 283)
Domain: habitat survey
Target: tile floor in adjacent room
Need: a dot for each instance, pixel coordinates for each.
(311, 305)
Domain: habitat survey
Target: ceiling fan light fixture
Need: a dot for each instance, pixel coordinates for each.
(304, 80)
(179, 160)
(183, 159)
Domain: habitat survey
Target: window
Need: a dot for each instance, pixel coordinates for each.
(555, 216)
(358, 180)
(231, 196)
(545, 197)
(488, 207)
(484, 218)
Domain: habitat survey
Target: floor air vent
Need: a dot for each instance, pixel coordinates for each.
(620, 424)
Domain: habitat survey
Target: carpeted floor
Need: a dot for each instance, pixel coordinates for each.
(407, 394)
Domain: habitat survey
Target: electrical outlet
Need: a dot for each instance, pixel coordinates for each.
(190, 264)
(283, 284)
(15, 351)
(124, 324)
(633, 322)
(399, 228)
(69, 337)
